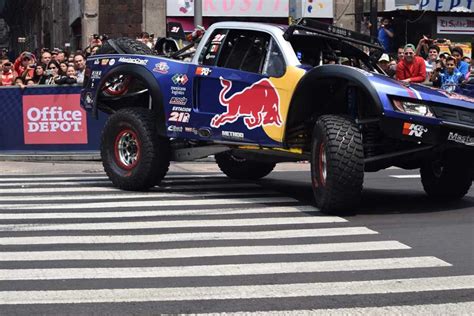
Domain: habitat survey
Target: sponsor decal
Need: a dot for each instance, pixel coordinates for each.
(97, 61)
(178, 90)
(182, 117)
(104, 62)
(258, 104)
(203, 71)
(461, 139)
(214, 48)
(181, 109)
(89, 100)
(131, 60)
(47, 122)
(209, 56)
(111, 62)
(180, 79)
(218, 39)
(161, 68)
(456, 96)
(96, 74)
(232, 135)
(179, 101)
(191, 130)
(410, 129)
(175, 129)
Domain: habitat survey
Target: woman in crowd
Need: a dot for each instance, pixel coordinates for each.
(54, 72)
(69, 78)
(63, 66)
(40, 76)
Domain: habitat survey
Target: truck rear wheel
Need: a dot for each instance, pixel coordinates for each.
(243, 169)
(337, 164)
(446, 180)
(134, 156)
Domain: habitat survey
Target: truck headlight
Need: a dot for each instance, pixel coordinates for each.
(412, 108)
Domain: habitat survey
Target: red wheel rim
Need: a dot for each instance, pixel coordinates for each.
(322, 164)
(119, 87)
(127, 149)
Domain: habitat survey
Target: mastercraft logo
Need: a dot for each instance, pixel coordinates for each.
(54, 119)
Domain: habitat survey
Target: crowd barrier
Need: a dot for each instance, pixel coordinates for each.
(46, 119)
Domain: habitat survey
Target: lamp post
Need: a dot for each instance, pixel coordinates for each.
(197, 13)
(373, 17)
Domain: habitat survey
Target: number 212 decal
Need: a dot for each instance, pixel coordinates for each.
(179, 117)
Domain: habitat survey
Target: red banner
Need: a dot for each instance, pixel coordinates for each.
(54, 119)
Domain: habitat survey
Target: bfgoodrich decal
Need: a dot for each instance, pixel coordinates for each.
(54, 119)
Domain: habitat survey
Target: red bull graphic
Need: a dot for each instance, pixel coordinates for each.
(258, 104)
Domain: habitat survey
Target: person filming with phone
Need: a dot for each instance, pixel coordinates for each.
(447, 78)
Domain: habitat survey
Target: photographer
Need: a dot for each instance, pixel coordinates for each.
(448, 78)
(386, 34)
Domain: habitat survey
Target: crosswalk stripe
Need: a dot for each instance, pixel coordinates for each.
(124, 214)
(268, 221)
(200, 187)
(118, 196)
(201, 252)
(122, 204)
(463, 308)
(210, 236)
(221, 269)
(239, 291)
(406, 176)
(48, 178)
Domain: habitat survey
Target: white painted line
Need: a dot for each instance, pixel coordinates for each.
(123, 204)
(268, 221)
(195, 188)
(208, 236)
(126, 195)
(46, 178)
(124, 214)
(201, 252)
(464, 308)
(239, 291)
(221, 269)
(406, 176)
(68, 183)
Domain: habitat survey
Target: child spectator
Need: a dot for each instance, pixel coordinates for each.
(20, 82)
(449, 78)
(462, 66)
(411, 69)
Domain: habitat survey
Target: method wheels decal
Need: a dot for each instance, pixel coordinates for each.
(337, 164)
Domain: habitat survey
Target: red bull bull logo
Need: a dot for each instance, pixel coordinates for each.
(258, 104)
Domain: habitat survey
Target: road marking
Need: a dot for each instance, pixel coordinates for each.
(239, 291)
(406, 176)
(124, 214)
(118, 196)
(133, 204)
(268, 221)
(221, 269)
(196, 188)
(201, 252)
(464, 308)
(46, 178)
(208, 236)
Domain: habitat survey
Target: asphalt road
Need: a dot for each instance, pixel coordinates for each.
(201, 243)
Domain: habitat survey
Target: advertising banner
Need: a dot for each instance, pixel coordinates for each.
(455, 25)
(240, 8)
(430, 5)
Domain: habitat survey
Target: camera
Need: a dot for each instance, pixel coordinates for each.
(96, 36)
(441, 40)
(48, 72)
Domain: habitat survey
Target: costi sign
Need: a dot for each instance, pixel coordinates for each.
(54, 119)
(270, 8)
(455, 25)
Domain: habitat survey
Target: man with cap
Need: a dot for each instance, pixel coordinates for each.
(384, 63)
(412, 68)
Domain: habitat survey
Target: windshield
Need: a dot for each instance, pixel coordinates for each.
(316, 50)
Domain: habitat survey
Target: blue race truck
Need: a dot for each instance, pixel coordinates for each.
(255, 94)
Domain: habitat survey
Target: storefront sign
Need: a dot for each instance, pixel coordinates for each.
(240, 8)
(455, 25)
(54, 119)
(431, 5)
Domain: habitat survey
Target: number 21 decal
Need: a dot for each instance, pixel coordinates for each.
(179, 117)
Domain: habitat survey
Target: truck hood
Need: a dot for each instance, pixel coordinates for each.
(388, 87)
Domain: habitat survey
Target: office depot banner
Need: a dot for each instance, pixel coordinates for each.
(54, 119)
(240, 8)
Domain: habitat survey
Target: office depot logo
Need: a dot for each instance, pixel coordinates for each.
(54, 119)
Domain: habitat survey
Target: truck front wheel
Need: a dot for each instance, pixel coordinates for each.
(134, 156)
(446, 179)
(337, 164)
(243, 169)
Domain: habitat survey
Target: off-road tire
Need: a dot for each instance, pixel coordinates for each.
(128, 45)
(337, 164)
(448, 179)
(135, 127)
(242, 169)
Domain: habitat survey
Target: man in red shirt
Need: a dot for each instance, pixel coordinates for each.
(411, 68)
